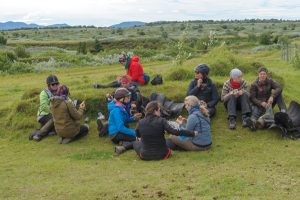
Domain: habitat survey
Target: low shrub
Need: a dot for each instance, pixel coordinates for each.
(180, 74)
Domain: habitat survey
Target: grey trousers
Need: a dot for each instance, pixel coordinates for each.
(186, 144)
(235, 103)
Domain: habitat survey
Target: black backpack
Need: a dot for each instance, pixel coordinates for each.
(157, 80)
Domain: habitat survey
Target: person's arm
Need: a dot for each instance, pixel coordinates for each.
(74, 113)
(225, 92)
(193, 89)
(44, 103)
(181, 132)
(277, 89)
(253, 93)
(245, 89)
(214, 96)
(120, 125)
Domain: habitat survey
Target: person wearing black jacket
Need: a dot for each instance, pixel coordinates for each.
(151, 129)
(204, 89)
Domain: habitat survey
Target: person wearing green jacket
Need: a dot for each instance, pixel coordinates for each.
(44, 116)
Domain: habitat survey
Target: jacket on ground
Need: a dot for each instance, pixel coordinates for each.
(66, 117)
(118, 119)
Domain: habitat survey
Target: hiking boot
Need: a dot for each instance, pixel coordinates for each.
(252, 125)
(37, 137)
(51, 133)
(66, 140)
(231, 123)
(33, 133)
(246, 121)
(119, 149)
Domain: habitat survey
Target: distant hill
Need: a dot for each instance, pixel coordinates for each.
(18, 25)
(128, 24)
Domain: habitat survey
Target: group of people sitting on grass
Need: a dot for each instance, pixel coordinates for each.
(57, 114)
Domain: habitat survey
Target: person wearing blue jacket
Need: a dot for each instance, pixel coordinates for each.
(198, 120)
(118, 129)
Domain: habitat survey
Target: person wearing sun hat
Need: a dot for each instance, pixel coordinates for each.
(235, 96)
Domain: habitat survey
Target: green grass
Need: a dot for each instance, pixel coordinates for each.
(240, 165)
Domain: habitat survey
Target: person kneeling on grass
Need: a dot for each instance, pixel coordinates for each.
(198, 120)
(66, 117)
(235, 96)
(118, 129)
(44, 116)
(151, 129)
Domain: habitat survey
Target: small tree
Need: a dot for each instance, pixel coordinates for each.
(21, 52)
(3, 40)
(265, 38)
(97, 46)
(82, 49)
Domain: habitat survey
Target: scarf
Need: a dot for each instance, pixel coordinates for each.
(235, 84)
(127, 63)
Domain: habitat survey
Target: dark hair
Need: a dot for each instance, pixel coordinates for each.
(262, 69)
(151, 107)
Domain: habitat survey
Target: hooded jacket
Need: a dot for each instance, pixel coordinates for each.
(135, 70)
(196, 121)
(118, 119)
(65, 116)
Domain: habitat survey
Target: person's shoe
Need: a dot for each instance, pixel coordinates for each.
(283, 110)
(51, 133)
(86, 120)
(66, 140)
(119, 149)
(30, 136)
(252, 125)
(246, 121)
(37, 138)
(231, 123)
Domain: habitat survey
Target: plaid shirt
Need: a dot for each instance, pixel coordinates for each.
(227, 88)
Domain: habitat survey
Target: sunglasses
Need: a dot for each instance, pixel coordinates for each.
(53, 84)
(197, 72)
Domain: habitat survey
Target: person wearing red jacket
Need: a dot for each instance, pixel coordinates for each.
(134, 69)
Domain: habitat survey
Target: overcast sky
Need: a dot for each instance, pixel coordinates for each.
(108, 12)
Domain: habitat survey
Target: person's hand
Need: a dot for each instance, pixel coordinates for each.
(270, 100)
(203, 103)
(82, 105)
(196, 133)
(264, 104)
(108, 97)
(199, 82)
(180, 120)
(240, 92)
(137, 116)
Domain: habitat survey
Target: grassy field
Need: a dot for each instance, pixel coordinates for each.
(241, 164)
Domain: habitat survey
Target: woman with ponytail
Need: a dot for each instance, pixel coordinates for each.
(198, 120)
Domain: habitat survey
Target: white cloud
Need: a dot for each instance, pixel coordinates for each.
(101, 13)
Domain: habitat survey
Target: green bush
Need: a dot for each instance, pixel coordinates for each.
(3, 40)
(265, 38)
(180, 74)
(20, 67)
(5, 62)
(21, 52)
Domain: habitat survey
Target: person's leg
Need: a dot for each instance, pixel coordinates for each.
(47, 126)
(280, 102)
(137, 146)
(231, 106)
(172, 145)
(246, 109)
(256, 112)
(84, 129)
(114, 84)
(184, 144)
(125, 140)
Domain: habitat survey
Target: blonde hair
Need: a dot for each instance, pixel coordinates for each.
(194, 101)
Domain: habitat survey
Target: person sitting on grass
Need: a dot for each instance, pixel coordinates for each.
(44, 116)
(118, 129)
(134, 69)
(151, 130)
(265, 93)
(66, 117)
(235, 96)
(198, 120)
(204, 89)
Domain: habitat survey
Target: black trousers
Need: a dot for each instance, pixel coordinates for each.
(235, 103)
(211, 111)
(258, 111)
(47, 125)
(125, 139)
